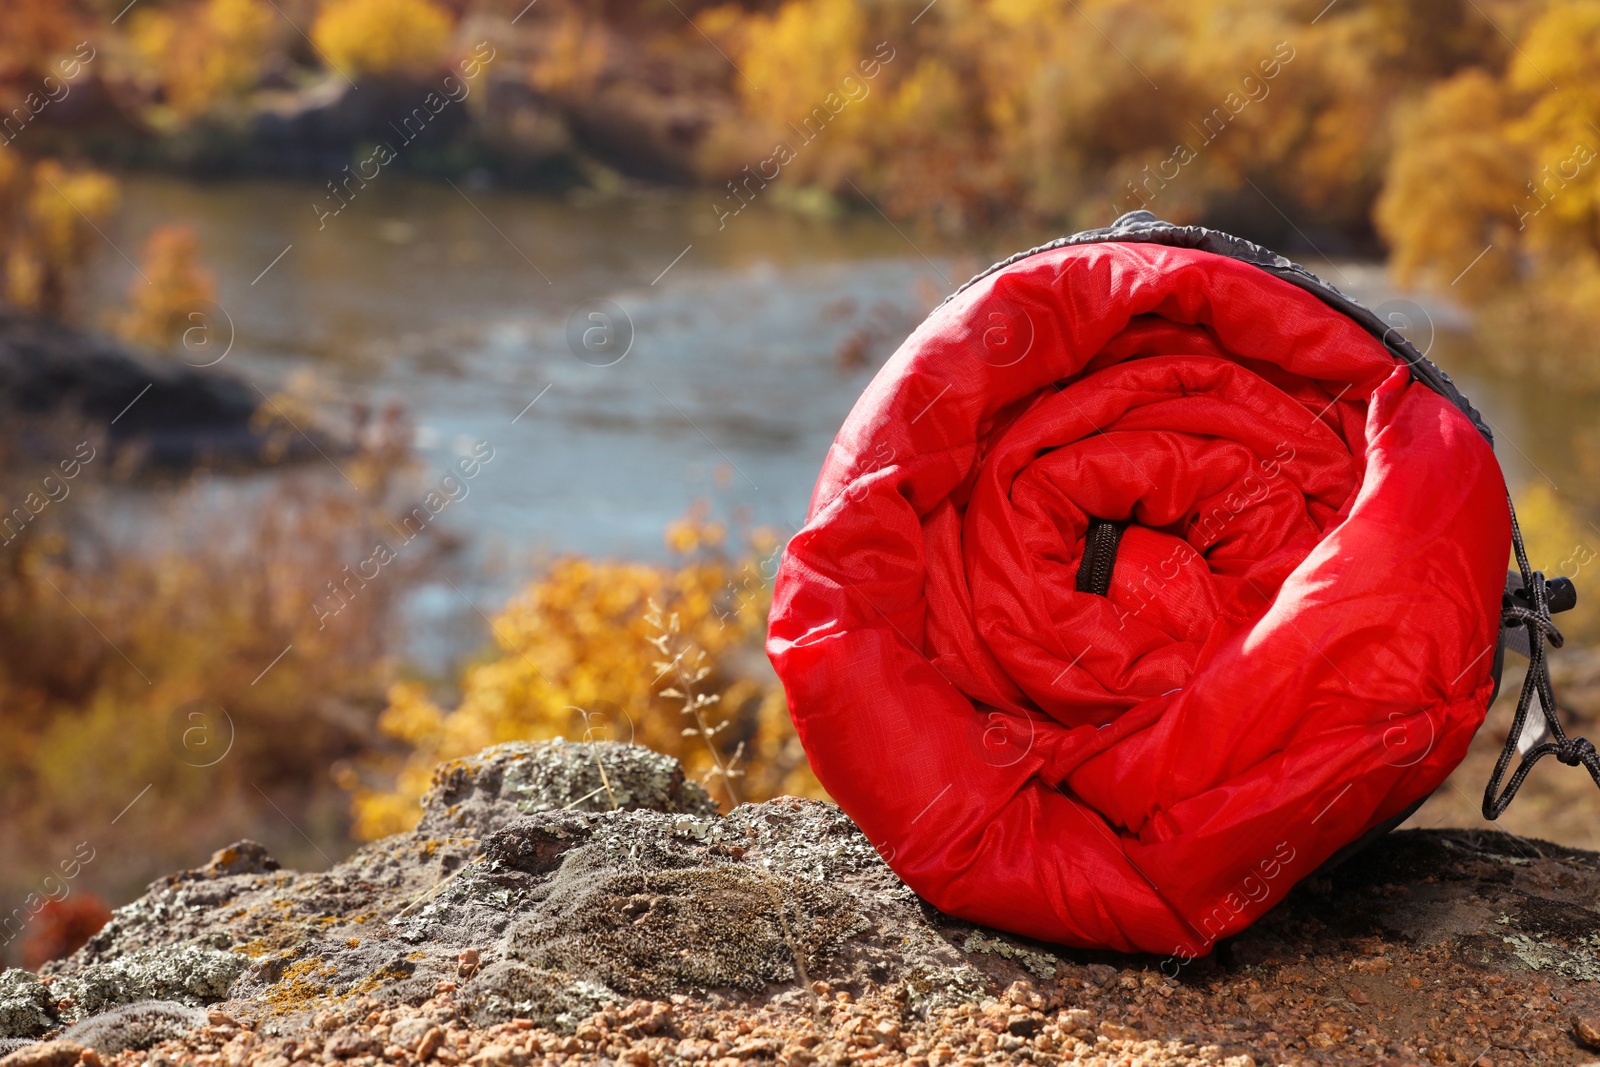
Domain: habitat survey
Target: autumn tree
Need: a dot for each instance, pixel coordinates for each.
(1452, 186)
(204, 52)
(36, 32)
(54, 215)
(383, 36)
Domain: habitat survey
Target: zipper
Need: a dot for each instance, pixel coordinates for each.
(1099, 556)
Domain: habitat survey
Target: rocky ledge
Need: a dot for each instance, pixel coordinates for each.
(575, 903)
(164, 413)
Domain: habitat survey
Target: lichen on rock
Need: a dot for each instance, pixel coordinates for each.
(1581, 964)
(485, 792)
(509, 990)
(27, 1010)
(656, 932)
(561, 900)
(189, 974)
(1040, 964)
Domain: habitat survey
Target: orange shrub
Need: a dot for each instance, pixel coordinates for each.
(173, 286)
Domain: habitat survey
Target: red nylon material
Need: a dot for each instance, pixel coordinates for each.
(1298, 639)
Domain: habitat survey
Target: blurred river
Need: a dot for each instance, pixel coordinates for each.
(749, 344)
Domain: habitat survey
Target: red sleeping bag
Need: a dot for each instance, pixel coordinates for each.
(1288, 642)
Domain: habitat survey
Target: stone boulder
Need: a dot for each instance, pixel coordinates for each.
(590, 892)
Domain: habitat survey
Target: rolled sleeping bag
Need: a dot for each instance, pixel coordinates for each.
(1149, 573)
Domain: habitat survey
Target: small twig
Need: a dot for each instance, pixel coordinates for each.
(688, 675)
(605, 783)
(586, 796)
(431, 893)
(588, 737)
(609, 794)
(799, 957)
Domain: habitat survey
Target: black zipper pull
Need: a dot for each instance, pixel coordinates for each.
(1099, 556)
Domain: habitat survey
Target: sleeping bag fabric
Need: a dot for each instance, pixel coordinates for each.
(1297, 614)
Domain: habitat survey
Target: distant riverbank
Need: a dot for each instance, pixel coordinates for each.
(145, 410)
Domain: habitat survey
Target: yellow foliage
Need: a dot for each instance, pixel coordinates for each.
(618, 651)
(25, 285)
(54, 230)
(206, 51)
(1557, 56)
(574, 54)
(1493, 193)
(1452, 186)
(1559, 66)
(797, 56)
(1021, 110)
(103, 654)
(173, 287)
(383, 36)
(64, 207)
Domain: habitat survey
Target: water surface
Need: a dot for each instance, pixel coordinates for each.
(749, 345)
